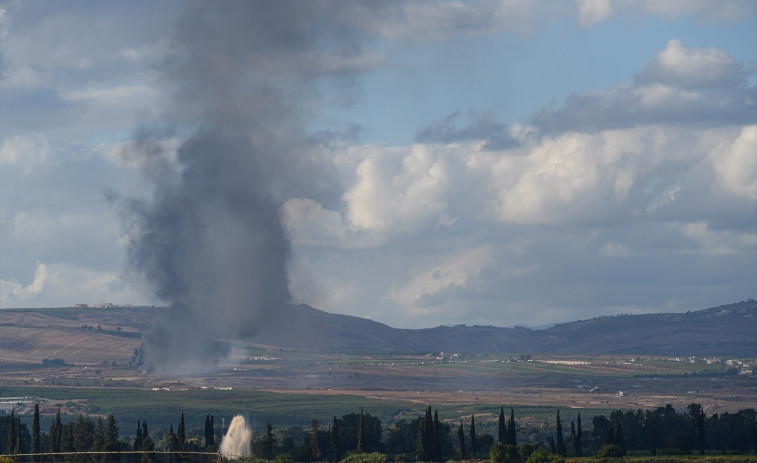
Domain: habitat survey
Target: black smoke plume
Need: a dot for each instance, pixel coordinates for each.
(210, 240)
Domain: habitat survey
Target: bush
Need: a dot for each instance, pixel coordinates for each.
(503, 453)
(284, 458)
(525, 450)
(540, 455)
(610, 451)
(365, 458)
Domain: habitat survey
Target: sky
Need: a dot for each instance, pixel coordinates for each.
(481, 162)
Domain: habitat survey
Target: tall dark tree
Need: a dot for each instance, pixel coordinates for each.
(212, 432)
(578, 443)
(560, 440)
(268, 441)
(697, 416)
(437, 438)
(210, 440)
(473, 436)
(512, 438)
(652, 438)
(334, 435)
(98, 436)
(146, 436)
(35, 430)
(173, 441)
(83, 432)
(501, 428)
(361, 434)
(11, 439)
(138, 437)
(112, 444)
(181, 434)
(54, 437)
(573, 434)
(461, 441)
(313, 451)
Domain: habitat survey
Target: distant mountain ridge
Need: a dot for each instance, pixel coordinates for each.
(728, 330)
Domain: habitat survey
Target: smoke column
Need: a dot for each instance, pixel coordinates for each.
(210, 241)
(236, 442)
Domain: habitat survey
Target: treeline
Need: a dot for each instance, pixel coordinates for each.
(97, 435)
(662, 431)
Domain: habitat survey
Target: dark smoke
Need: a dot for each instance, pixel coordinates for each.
(210, 241)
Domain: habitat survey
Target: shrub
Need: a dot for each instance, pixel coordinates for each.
(503, 453)
(610, 451)
(365, 458)
(284, 458)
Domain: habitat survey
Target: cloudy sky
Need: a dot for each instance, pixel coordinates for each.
(484, 162)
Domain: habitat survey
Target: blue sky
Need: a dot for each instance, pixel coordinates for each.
(482, 162)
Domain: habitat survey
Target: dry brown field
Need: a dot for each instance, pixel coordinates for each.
(97, 344)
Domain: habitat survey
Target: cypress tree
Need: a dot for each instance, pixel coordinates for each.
(54, 437)
(652, 438)
(420, 449)
(205, 429)
(145, 433)
(360, 434)
(461, 440)
(98, 437)
(560, 441)
(19, 440)
(437, 438)
(335, 440)
(268, 441)
(428, 436)
(112, 445)
(473, 436)
(173, 442)
(502, 429)
(573, 434)
(212, 432)
(11, 437)
(512, 438)
(578, 444)
(314, 453)
(180, 434)
(138, 437)
(35, 430)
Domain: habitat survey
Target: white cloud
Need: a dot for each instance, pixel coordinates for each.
(62, 284)
(693, 68)
(717, 242)
(454, 272)
(591, 12)
(26, 152)
(735, 164)
(13, 291)
(680, 87)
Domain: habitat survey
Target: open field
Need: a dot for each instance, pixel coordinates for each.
(290, 386)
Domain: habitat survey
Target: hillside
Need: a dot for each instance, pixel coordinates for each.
(84, 335)
(725, 330)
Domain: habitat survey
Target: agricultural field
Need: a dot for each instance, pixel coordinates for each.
(291, 386)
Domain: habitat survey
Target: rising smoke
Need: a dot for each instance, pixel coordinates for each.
(236, 442)
(210, 240)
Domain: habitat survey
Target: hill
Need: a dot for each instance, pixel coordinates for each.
(727, 330)
(84, 335)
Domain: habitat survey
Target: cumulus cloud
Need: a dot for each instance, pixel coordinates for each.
(591, 12)
(431, 288)
(680, 87)
(26, 152)
(693, 68)
(61, 284)
(735, 164)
